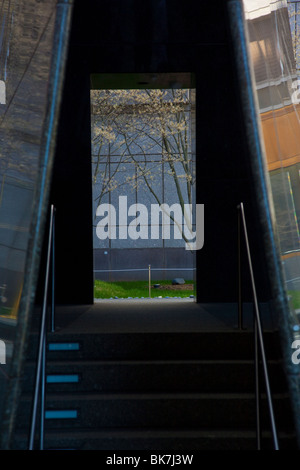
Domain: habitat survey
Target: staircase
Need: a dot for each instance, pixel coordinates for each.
(132, 390)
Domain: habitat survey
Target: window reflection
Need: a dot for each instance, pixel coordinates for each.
(26, 42)
(272, 47)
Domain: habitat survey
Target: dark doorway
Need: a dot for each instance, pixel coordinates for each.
(109, 39)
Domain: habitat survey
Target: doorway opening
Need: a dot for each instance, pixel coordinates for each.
(144, 185)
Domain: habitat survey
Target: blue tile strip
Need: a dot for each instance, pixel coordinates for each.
(61, 414)
(63, 346)
(60, 378)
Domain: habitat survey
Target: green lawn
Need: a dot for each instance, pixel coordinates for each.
(107, 290)
(295, 294)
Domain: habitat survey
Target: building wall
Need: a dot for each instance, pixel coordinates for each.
(133, 165)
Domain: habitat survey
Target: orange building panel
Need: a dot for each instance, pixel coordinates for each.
(281, 132)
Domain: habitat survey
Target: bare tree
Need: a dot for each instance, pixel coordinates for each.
(294, 17)
(132, 125)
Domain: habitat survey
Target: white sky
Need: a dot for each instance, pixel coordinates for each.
(256, 8)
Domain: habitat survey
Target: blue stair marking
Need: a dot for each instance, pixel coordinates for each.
(63, 346)
(62, 378)
(61, 414)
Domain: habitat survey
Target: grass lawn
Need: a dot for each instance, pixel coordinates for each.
(295, 294)
(107, 290)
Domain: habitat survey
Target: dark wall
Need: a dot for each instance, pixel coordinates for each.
(130, 36)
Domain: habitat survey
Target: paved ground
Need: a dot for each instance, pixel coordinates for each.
(149, 315)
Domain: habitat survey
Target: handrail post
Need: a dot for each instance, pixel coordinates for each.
(259, 331)
(40, 370)
(257, 386)
(43, 385)
(240, 304)
(53, 274)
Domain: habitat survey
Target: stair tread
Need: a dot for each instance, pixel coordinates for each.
(83, 364)
(156, 431)
(154, 361)
(157, 395)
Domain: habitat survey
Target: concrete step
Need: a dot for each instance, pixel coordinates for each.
(171, 410)
(152, 390)
(225, 345)
(153, 376)
(179, 440)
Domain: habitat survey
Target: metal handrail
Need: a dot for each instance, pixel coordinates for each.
(258, 338)
(39, 390)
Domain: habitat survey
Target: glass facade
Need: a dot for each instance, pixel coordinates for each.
(27, 56)
(273, 127)
(270, 27)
